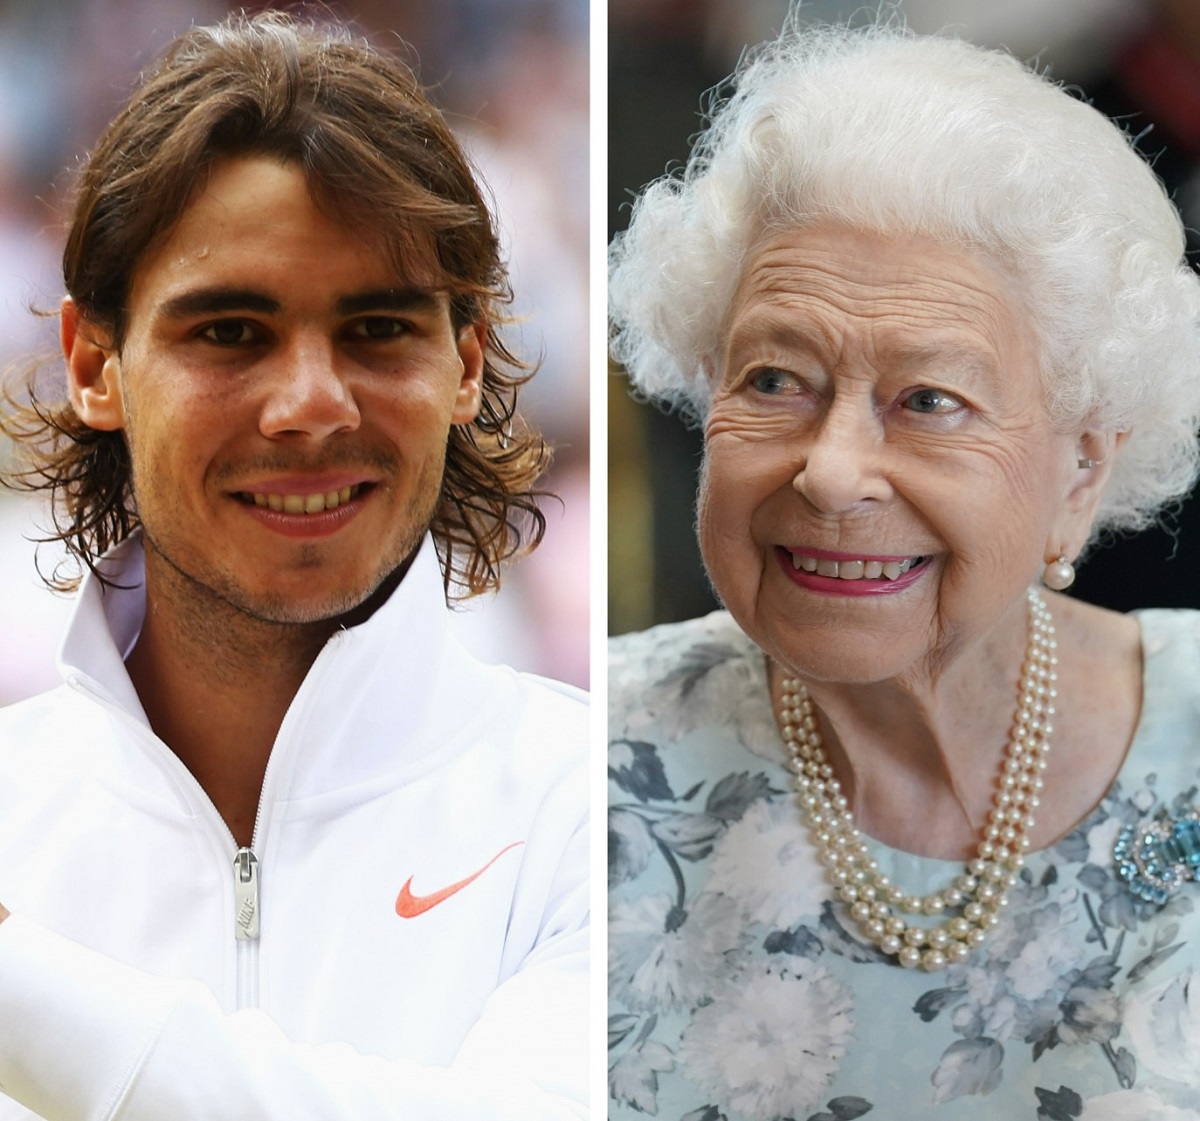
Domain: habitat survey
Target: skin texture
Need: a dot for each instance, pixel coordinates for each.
(881, 397)
(217, 405)
(268, 349)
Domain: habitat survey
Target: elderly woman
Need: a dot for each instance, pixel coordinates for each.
(903, 828)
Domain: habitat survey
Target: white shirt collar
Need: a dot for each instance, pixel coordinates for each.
(107, 620)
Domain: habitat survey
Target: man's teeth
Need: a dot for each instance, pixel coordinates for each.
(854, 569)
(306, 503)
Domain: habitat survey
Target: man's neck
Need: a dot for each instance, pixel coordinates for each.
(216, 683)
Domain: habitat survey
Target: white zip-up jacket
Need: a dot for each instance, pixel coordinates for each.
(417, 877)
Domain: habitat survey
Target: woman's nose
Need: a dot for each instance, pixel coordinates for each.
(842, 464)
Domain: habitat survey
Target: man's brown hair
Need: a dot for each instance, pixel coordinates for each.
(380, 159)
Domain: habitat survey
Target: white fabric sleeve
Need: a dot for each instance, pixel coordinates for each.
(84, 1038)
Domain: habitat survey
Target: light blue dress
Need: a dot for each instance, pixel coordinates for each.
(740, 991)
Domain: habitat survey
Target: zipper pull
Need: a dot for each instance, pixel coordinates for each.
(245, 895)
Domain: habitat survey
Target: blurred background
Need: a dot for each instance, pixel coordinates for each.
(512, 76)
(1136, 60)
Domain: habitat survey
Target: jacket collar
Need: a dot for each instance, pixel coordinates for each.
(104, 626)
(403, 647)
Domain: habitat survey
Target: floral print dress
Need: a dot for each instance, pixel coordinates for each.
(740, 991)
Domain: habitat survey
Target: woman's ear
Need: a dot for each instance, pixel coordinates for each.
(93, 371)
(1095, 452)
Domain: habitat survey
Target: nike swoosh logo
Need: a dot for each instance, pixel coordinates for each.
(409, 906)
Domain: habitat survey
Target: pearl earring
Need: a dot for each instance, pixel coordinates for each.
(1058, 575)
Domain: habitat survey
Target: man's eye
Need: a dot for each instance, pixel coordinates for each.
(773, 381)
(378, 327)
(228, 332)
(932, 401)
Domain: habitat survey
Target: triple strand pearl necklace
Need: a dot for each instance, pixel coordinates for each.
(980, 893)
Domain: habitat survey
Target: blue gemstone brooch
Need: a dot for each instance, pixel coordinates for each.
(1155, 860)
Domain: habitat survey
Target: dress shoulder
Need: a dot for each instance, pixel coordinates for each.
(696, 692)
(1168, 733)
(644, 661)
(1174, 633)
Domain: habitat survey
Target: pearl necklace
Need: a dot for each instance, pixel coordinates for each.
(980, 893)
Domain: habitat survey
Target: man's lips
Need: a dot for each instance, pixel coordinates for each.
(302, 496)
(306, 504)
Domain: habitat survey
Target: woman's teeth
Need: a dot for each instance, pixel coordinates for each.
(306, 503)
(854, 569)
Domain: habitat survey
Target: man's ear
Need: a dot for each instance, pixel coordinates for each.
(472, 343)
(93, 371)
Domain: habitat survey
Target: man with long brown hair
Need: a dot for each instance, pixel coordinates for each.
(275, 810)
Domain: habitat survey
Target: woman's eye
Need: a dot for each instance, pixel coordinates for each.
(932, 401)
(378, 327)
(774, 381)
(228, 332)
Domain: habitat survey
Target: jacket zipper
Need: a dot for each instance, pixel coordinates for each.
(246, 881)
(244, 866)
(245, 930)
(245, 895)
(245, 862)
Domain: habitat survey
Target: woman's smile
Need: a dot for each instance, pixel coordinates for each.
(846, 574)
(824, 481)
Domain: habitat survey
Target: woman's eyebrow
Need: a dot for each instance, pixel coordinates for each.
(778, 327)
(966, 360)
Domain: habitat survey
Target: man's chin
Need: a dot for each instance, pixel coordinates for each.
(344, 606)
(307, 595)
(292, 612)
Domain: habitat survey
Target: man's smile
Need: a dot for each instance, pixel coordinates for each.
(315, 503)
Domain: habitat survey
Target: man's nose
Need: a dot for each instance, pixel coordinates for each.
(842, 460)
(308, 394)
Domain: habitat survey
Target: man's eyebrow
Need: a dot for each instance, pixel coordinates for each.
(390, 299)
(215, 301)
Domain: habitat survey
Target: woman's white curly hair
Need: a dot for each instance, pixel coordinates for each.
(889, 132)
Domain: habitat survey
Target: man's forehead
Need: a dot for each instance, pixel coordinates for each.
(255, 226)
